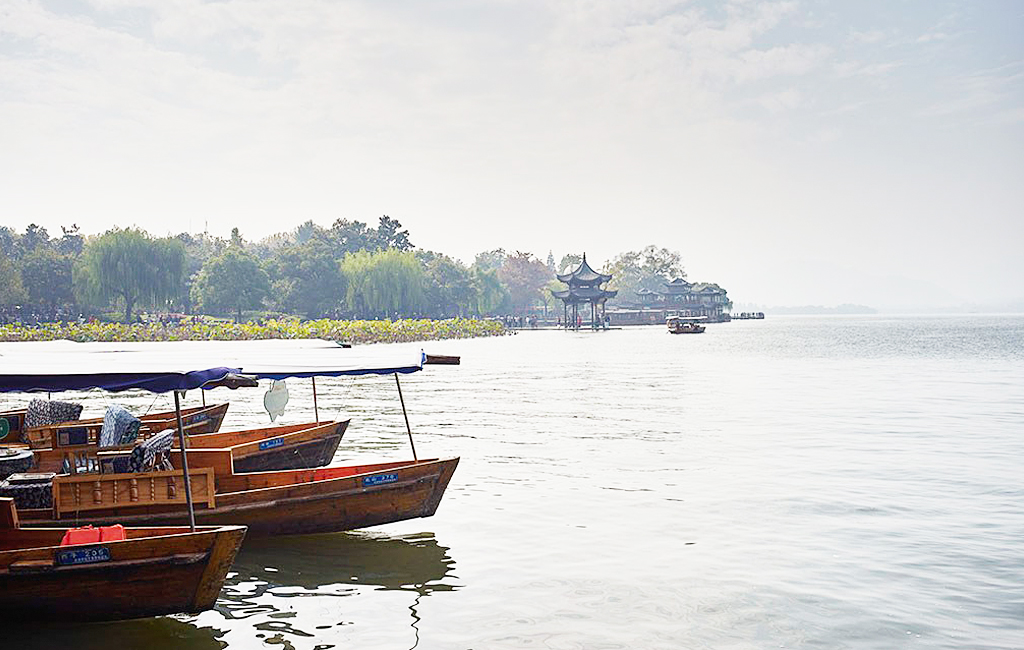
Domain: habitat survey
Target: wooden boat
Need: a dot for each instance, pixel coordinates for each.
(284, 502)
(293, 446)
(151, 572)
(684, 324)
(442, 359)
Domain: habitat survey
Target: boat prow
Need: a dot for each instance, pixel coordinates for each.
(148, 572)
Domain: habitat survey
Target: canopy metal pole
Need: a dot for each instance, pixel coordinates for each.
(406, 416)
(184, 462)
(316, 411)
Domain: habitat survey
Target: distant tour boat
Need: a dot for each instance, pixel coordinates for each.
(685, 324)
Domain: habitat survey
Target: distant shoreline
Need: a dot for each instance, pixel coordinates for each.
(819, 309)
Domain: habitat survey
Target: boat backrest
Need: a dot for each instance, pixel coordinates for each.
(87, 492)
(221, 461)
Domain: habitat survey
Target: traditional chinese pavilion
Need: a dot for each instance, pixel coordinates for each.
(584, 286)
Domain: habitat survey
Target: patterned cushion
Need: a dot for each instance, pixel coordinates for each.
(29, 495)
(41, 412)
(152, 453)
(64, 411)
(14, 461)
(38, 413)
(119, 427)
(148, 455)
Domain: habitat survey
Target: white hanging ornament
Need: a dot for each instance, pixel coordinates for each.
(276, 398)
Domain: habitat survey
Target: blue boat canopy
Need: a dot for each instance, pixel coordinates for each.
(165, 366)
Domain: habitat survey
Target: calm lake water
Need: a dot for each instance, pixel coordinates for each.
(797, 482)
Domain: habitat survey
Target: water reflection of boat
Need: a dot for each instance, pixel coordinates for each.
(163, 633)
(408, 563)
(268, 573)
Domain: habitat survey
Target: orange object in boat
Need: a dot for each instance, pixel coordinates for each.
(90, 535)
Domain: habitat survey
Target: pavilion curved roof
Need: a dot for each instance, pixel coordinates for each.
(583, 275)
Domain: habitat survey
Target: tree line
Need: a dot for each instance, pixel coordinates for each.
(347, 270)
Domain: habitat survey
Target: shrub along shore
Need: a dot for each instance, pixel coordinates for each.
(349, 331)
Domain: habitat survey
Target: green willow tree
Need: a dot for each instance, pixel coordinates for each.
(131, 267)
(491, 294)
(383, 284)
(231, 282)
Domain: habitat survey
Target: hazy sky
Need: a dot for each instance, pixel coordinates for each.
(795, 152)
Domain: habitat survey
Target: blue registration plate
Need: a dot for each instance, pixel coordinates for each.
(270, 444)
(83, 555)
(379, 479)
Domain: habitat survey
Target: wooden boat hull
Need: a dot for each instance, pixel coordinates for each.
(314, 453)
(298, 446)
(442, 359)
(207, 419)
(293, 502)
(152, 572)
